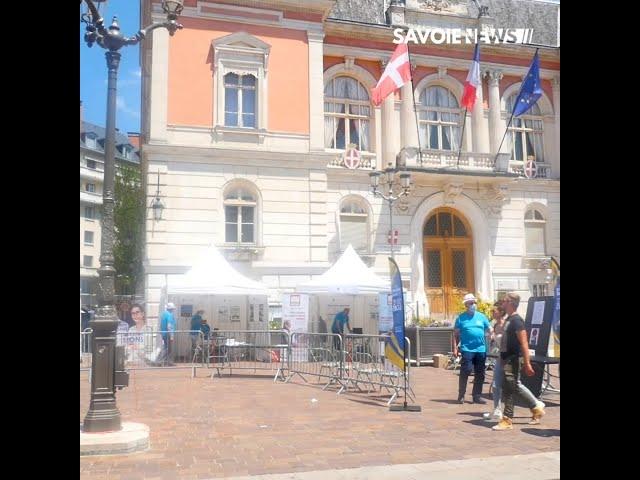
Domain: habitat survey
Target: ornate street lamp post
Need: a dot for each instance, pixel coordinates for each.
(103, 414)
(390, 180)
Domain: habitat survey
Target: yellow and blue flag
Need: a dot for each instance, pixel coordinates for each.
(394, 347)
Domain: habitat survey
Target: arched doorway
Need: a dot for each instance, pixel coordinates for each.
(448, 261)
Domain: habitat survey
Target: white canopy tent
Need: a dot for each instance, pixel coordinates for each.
(211, 274)
(348, 276)
(348, 283)
(230, 300)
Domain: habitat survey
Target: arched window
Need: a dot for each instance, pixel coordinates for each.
(240, 215)
(525, 133)
(354, 225)
(439, 118)
(534, 232)
(445, 224)
(347, 114)
(239, 100)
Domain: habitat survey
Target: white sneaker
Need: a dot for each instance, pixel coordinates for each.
(497, 414)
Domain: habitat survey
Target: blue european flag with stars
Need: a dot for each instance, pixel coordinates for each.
(531, 90)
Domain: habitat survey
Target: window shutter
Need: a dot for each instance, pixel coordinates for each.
(354, 232)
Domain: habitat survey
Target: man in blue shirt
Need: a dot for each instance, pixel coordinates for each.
(167, 327)
(470, 330)
(339, 321)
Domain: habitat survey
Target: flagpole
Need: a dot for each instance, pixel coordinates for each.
(415, 110)
(504, 136)
(515, 105)
(464, 123)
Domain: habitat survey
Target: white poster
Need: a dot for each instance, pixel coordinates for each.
(295, 310)
(295, 316)
(385, 316)
(537, 316)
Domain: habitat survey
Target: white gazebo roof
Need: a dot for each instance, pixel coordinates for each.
(349, 275)
(211, 274)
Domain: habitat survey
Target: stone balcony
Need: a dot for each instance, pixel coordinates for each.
(444, 161)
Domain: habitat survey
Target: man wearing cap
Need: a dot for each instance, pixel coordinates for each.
(167, 327)
(470, 330)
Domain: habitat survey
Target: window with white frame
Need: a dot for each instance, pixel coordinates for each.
(526, 133)
(354, 225)
(439, 119)
(347, 114)
(87, 261)
(534, 230)
(240, 216)
(239, 100)
(90, 187)
(88, 237)
(241, 82)
(90, 213)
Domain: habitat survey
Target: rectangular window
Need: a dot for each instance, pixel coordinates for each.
(87, 261)
(231, 223)
(90, 187)
(534, 237)
(88, 237)
(90, 142)
(247, 225)
(91, 164)
(354, 232)
(89, 212)
(239, 100)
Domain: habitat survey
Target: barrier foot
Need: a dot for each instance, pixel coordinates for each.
(405, 408)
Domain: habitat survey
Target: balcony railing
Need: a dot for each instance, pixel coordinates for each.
(90, 174)
(446, 159)
(367, 161)
(543, 170)
(91, 197)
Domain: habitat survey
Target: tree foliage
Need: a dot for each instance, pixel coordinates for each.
(129, 220)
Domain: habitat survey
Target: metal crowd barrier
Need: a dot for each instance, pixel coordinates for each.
(350, 362)
(316, 355)
(366, 365)
(250, 350)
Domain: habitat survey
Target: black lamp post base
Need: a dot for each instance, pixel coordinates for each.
(104, 420)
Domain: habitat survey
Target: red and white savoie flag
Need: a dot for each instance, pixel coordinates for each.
(397, 73)
(472, 83)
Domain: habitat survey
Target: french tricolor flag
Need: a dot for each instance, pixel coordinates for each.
(473, 81)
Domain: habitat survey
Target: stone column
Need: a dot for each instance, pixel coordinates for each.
(408, 125)
(159, 86)
(390, 133)
(316, 91)
(496, 129)
(480, 132)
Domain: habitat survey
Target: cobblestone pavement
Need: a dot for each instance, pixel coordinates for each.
(247, 425)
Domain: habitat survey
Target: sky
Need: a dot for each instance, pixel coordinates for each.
(93, 70)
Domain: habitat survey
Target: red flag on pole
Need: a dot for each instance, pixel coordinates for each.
(397, 73)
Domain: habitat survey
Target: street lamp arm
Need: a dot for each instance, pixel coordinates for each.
(171, 25)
